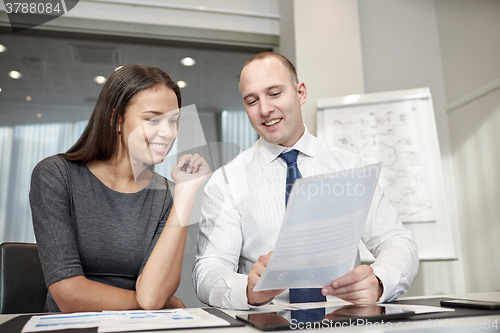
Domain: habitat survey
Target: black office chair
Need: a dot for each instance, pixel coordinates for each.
(22, 285)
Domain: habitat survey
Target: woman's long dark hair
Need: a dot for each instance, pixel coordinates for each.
(98, 140)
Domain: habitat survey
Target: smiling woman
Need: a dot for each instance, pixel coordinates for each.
(99, 211)
(149, 128)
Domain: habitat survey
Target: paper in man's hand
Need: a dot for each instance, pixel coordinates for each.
(319, 238)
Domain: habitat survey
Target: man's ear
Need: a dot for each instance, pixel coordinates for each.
(302, 92)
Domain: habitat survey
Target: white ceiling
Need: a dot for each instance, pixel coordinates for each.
(58, 74)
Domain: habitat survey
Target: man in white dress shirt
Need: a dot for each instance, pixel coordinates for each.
(244, 203)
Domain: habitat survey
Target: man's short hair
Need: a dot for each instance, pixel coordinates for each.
(287, 63)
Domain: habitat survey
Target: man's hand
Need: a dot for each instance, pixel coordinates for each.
(259, 297)
(360, 286)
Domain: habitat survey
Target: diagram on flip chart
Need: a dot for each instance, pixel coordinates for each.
(397, 128)
(390, 133)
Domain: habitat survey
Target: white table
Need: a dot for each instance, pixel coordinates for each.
(457, 324)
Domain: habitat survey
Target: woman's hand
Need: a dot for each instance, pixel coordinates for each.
(191, 170)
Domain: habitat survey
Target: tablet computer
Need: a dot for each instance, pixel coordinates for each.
(348, 316)
(469, 303)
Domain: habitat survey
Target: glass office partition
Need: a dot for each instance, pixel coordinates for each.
(50, 82)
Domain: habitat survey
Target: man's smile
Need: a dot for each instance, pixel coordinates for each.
(272, 122)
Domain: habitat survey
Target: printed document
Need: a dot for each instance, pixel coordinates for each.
(319, 238)
(121, 321)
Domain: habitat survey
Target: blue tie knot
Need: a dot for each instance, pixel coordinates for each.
(290, 157)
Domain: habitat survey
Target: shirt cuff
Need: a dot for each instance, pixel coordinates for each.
(388, 284)
(261, 304)
(236, 295)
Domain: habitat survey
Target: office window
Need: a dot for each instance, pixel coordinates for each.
(236, 128)
(50, 82)
(23, 146)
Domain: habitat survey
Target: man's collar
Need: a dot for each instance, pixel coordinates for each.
(270, 151)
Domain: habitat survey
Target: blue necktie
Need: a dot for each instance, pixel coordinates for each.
(292, 171)
(300, 295)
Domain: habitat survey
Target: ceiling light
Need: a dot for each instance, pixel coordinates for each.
(28, 98)
(100, 79)
(39, 115)
(0, 89)
(188, 61)
(182, 84)
(2, 48)
(15, 74)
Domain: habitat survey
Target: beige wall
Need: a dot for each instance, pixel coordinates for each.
(401, 50)
(469, 34)
(475, 137)
(326, 48)
(470, 50)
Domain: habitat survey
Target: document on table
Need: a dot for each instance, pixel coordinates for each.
(319, 238)
(121, 321)
(190, 318)
(418, 309)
